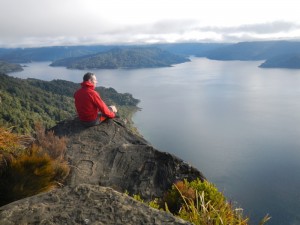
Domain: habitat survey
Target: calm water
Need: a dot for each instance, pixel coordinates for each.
(235, 122)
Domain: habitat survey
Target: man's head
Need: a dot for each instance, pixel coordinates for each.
(91, 77)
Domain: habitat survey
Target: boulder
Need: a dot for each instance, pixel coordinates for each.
(111, 155)
(83, 204)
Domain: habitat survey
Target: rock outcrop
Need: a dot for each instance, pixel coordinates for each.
(83, 204)
(106, 160)
(112, 156)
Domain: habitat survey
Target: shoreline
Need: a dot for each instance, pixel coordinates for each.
(127, 113)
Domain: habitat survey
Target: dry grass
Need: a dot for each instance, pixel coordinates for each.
(50, 143)
(13, 143)
(29, 167)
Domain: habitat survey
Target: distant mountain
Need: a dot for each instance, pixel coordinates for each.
(133, 57)
(190, 49)
(25, 55)
(9, 67)
(291, 61)
(254, 50)
(140, 56)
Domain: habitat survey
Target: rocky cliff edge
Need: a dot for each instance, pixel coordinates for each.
(106, 160)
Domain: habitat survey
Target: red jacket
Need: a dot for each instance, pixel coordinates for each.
(88, 103)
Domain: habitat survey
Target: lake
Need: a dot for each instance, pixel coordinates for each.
(235, 122)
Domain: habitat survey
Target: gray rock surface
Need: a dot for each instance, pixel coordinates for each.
(112, 156)
(106, 160)
(83, 204)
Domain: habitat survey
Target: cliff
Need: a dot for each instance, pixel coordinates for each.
(105, 160)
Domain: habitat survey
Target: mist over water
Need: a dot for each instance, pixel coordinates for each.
(235, 122)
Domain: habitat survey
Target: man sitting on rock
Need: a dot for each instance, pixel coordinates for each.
(91, 109)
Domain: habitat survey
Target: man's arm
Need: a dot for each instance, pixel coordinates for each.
(103, 107)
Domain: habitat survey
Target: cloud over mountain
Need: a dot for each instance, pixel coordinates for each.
(72, 22)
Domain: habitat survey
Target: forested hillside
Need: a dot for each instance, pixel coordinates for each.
(291, 61)
(157, 55)
(259, 50)
(25, 55)
(24, 102)
(9, 67)
(136, 57)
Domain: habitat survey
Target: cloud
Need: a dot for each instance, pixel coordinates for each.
(75, 30)
(259, 31)
(53, 22)
(260, 28)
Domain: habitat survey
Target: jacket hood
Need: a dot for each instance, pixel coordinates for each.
(87, 84)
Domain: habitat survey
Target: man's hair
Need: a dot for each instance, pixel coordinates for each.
(87, 76)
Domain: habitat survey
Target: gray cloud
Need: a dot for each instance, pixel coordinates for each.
(269, 28)
(72, 22)
(261, 28)
(76, 31)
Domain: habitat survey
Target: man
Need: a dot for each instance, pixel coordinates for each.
(90, 107)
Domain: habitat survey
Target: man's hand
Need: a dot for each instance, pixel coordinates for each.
(113, 108)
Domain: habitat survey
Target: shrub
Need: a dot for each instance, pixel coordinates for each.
(53, 145)
(29, 170)
(201, 203)
(173, 198)
(13, 143)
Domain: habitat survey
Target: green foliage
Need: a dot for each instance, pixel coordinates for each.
(26, 170)
(138, 198)
(154, 204)
(25, 102)
(173, 197)
(112, 97)
(202, 204)
(24, 55)
(199, 203)
(211, 193)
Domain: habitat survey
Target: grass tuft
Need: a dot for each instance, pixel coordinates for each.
(201, 204)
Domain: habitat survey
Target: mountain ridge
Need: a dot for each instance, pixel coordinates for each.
(287, 61)
(128, 58)
(255, 50)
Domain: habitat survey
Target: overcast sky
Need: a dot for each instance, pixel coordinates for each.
(32, 23)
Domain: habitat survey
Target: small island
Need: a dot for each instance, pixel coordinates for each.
(125, 58)
(6, 67)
